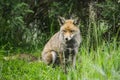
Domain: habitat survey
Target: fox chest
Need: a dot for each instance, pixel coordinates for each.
(70, 48)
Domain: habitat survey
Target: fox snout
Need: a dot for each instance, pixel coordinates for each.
(68, 37)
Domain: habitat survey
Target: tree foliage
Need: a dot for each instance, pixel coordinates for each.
(28, 23)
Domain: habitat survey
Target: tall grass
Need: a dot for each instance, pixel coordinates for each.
(102, 64)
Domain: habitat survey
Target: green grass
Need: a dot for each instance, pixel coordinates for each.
(102, 64)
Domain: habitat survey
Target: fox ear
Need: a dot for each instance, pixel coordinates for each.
(75, 18)
(76, 21)
(61, 20)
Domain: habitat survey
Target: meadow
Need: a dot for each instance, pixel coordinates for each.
(102, 64)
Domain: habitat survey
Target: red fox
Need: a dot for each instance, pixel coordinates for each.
(63, 46)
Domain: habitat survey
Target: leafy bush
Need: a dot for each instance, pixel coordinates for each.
(12, 22)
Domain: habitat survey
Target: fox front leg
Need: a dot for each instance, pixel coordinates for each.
(74, 61)
(63, 62)
(75, 51)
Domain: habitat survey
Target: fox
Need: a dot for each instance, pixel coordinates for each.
(63, 46)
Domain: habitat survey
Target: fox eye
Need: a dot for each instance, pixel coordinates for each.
(72, 31)
(64, 30)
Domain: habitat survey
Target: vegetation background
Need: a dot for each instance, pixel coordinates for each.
(26, 25)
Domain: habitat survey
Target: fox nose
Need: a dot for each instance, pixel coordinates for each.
(66, 39)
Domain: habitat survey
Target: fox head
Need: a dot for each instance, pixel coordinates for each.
(69, 28)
